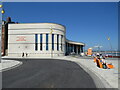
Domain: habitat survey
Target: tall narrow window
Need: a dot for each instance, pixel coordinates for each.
(57, 41)
(61, 42)
(36, 42)
(52, 41)
(46, 41)
(40, 41)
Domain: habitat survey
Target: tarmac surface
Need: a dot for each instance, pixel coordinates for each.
(103, 78)
(47, 73)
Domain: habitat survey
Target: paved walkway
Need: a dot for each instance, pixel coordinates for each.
(9, 64)
(108, 76)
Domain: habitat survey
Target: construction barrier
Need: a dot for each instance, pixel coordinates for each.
(95, 59)
(109, 66)
(100, 64)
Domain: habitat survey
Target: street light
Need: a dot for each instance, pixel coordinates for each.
(0, 6)
(110, 44)
(2, 11)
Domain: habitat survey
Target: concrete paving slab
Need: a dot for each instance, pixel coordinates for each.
(110, 76)
(9, 64)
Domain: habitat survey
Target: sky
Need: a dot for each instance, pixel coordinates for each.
(87, 22)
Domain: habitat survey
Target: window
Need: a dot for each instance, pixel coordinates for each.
(46, 41)
(52, 41)
(36, 42)
(40, 41)
(57, 41)
(61, 42)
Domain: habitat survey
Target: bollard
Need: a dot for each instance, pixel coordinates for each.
(94, 59)
(100, 63)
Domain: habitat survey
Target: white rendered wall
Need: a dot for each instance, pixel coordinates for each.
(21, 38)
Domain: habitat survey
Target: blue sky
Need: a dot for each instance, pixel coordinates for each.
(87, 22)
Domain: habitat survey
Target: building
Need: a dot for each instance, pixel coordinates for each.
(40, 39)
(4, 36)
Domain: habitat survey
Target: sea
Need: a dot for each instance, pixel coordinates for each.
(113, 54)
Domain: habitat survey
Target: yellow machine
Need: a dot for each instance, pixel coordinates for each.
(89, 53)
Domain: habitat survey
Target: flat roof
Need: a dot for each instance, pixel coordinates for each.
(74, 42)
(39, 23)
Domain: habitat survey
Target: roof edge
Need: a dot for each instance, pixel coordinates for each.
(42, 23)
(70, 41)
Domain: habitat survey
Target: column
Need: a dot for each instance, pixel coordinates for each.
(73, 47)
(70, 48)
(66, 47)
(49, 42)
(55, 42)
(44, 42)
(76, 49)
(38, 42)
(63, 43)
(60, 43)
(79, 49)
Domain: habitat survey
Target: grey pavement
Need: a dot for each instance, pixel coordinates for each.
(9, 64)
(47, 73)
(108, 76)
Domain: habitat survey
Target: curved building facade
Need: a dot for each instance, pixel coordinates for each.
(38, 40)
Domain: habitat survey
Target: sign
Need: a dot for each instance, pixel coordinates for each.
(21, 38)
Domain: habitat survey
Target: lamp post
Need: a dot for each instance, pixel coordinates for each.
(2, 11)
(51, 30)
(0, 6)
(110, 45)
